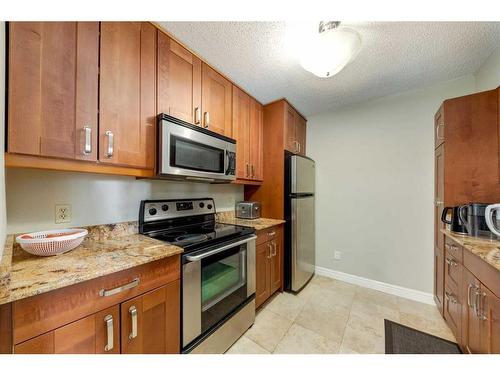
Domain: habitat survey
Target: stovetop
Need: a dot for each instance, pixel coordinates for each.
(189, 224)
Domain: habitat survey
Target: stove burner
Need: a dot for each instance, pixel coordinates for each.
(192, 237)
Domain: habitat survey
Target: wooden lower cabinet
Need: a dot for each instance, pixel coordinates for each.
(490, 322)
(269, 264)
(439, 278)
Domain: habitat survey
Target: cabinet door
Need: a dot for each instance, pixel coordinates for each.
(53, 89)
(241, 132)
(439, 127)
(151, 322)
(256, 140)
(179, 81)
(452, 308)
(276, 261)
(127, 94)
(88, 335)
(438, 225)
(216, 95)
(290, 136)
(490, 322)
(471, 324)
(262, 273)
(300, 133)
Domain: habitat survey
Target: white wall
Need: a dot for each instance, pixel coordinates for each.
(488, 75)
(94, 199)
(375, 185)
(2, 137)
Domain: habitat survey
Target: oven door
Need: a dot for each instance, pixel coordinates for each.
(215, 281)
(192, 154)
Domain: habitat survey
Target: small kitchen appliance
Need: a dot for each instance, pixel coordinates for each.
(454, 222)
(217, 270)
(492, 216)
(473, 217)
(248, 210)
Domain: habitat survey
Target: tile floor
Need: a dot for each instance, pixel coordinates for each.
(330, 316)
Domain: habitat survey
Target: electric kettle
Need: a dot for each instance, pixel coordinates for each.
(492, 216)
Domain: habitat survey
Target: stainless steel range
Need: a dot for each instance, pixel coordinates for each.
(218, 270)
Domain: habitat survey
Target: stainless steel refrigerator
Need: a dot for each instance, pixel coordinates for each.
(300, 256)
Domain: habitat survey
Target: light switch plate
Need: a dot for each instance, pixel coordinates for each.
(63, 213)
(337, 255)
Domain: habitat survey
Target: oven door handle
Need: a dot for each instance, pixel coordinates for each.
(196, 258)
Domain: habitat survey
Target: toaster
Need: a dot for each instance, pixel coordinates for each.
(247, 210)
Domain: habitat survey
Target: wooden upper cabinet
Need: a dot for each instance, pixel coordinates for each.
(179, 81)
(439, 127)
(151, 322)
(256, 140)
(216, 96)
(290, 140)
(127, 94)
(300, 134)
(53, 89)
(241, 132)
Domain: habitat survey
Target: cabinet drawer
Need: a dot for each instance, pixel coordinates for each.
(452, 271)
(42, 313)
(453, 310)
(454, 250)
(265, 235)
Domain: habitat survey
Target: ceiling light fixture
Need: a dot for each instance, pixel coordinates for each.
(330, 50)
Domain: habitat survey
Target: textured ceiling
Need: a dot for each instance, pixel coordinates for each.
(394, 57)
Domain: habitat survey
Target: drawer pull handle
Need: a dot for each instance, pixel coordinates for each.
(111, 144)
(109, 329)
(274, 248)
(270, 253)
(450, 297)
(451, 262)
(271, 233)
(110, 292)
(88, 140)
(133, 316)
(197, 115)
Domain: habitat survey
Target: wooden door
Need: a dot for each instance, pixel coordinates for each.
(262, 273)
(439, 127)
(290, 136)
(53, 89)
(127, 94)
(216, 95)
(438, 225)
(300, 133)
(471, 324)
(256, 140)
(490, 322)
(88, 335)
(179, 81)
(241, 132)
(276, 262)
(151, 322)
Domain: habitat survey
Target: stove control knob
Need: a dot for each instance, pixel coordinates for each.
(209, 206)
(152, 211)
(164, 207)
(202, 204)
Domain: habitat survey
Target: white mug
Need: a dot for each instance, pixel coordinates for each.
(488, 214)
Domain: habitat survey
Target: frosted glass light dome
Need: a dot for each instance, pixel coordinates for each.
(330, 51)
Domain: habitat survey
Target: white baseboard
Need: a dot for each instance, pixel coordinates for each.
(396, 290)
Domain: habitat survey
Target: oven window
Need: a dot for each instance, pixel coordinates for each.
(195, 156)
(223, 284)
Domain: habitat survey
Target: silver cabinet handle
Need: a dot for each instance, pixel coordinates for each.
(476, 302)
(110, 292)
(195, 258)
(207, 120)
(197, 115)
(437, 132)
(111, 142)
(450, 297)
(481, 308)
(468, 294)
(299, 146)
(87, 149)
(109, 331)
(274, 248)
(451, 262)
(133, 316)
(437, 203)
(270, 251)
(271, 233)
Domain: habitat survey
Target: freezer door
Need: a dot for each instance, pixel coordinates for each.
(302, 170)
(303, 243)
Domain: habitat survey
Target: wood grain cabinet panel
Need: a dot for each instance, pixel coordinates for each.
(256, 140)
(490, 322)
(439, 127)
(471, 324)
(300, 134)
(290, 136)
(241, 133)
(127, 94)
(439, 251)
(276, 275)
(179, 81)
(216, 100)
(262, 272)
(53, 89)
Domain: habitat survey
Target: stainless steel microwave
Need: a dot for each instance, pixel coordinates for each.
(189, 152)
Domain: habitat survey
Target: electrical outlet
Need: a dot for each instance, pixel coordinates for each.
(337, 255)
(63, 213)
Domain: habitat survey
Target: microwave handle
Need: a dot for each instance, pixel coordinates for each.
(196, 258)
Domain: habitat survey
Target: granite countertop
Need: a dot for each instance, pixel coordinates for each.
(487, 250)
(107, 249)
(228, 217)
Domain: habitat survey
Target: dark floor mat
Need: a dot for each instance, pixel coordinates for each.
(401, 339)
